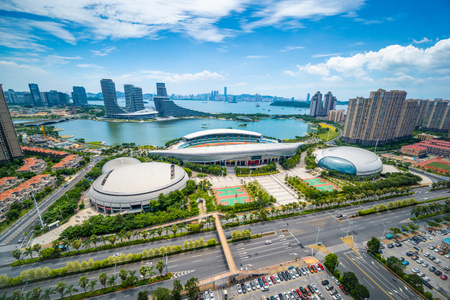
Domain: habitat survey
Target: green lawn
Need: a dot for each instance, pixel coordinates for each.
(324, 136)
(439, 165)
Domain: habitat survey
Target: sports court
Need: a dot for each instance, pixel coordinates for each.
(231, 195)
(321, 184)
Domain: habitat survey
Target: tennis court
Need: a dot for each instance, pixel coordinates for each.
(231, 195)
(321, 184)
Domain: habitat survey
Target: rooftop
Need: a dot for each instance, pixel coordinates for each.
(415, 147)
(220, 131)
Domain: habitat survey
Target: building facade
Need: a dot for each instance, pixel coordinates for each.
(133, 98)
(79, 96)
(382, 118)
(112, 109)
(414, 150)
(319, 108)
(9, 142)
(336, 116)
(434, 115)
(35, 94)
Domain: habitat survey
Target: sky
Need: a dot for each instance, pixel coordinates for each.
(285, 48)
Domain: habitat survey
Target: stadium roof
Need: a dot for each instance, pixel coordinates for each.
(220, 131)
(119, 162)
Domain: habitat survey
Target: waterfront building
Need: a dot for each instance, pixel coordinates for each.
(382, 118)
(35, 94)
(167, 108)
(79, 96)
(133, 98)
(319, 108)
(336, 116)
(9, 142)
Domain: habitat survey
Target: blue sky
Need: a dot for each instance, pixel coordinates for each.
(282, 48)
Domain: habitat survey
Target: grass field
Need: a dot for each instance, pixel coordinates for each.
(439, 166)
(325, 137)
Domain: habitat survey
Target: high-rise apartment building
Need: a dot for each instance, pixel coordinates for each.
(319, 109)
(434, 115)
(225, 93)
(380, 119)
(133, 98)
(79, 96)
(9, 143)
(35, 94)
(336, 116)
(110, 99)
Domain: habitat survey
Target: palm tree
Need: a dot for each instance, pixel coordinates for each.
(160, 266)
(61, 288)
(76, 244)
(70, 290)
(123, 274)
(112, 239)
(159, 230)
(128, 235)
(86, 244)
(174, 230)
(47, 293)
(121, 235)
(103, 278)
(245, 218)
(17, 294)
(16, 254)
(166, 229)
(152, 233)
(92, 284)
(144, 234)
(28, 252)
(112, 280)
(83, 282)
(150, 272)
(94, 240)
(143, 271)
(36, 293)
(132, 276)
(37, 249)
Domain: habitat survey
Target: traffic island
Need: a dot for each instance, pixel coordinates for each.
(348, 240)
(320, 247)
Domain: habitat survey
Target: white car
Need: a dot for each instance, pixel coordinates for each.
(337, 297)
(426, 254)
(256, 283)
(238, 288)
(269, 280)
(437, 261)
(437, 250)
(421, 274)
(314, 287)
(247, 285)
(335, 280)
(447, 255)
(415, 270)
(425, 264)
(211, 295)
(206, 296)
(268, 242)
(419, 261)
(426, 278)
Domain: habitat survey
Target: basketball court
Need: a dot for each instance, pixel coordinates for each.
(231, 195)
(321, 184)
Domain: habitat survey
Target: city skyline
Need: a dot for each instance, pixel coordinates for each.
(279, 48)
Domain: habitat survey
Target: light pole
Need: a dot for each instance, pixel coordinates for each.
(349, 223)
(24, 286)
(39, 213)
(385, 228)
(317, 237)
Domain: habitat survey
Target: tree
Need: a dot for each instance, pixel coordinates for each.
(47, 294)
(160, 266)
(102, 279)
(192, 289)
(112, 239)
(161, 294)
(76, 244)
(349, 280)
(112, 280)
(360, 292)
(395, 230)
(395, 265)
(132, 277)
(415, 280)
(92, 284)
(143, 271)
(36, 293)
(93, 240)
(28, 252)
(144, 234)
(123, 274)
(16, 254)
(177, 289)
(16, 295)
(37, 249)
(142, 295)
(374, 245)
(83, 282)
(331, 262)
(61, 288)
(128, 235)
(174, 229)
(70, 290)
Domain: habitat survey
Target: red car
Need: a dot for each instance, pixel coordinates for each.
(444, 277)
(343, 289)
(299, 293)
(273, 279)
(320, 266)
(264, 281)
(314, 268)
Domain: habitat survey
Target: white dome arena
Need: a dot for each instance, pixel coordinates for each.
(127, 184)
(349, 160)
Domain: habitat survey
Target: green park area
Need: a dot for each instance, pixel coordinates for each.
(439, 165)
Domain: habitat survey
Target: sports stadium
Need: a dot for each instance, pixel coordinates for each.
(349, 160)
(229, 147)
(128, 185)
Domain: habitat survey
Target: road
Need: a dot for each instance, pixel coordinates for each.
(10, 237)
(254, 253)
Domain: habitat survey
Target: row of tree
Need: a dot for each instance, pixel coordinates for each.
(424, 210)
(269, 169)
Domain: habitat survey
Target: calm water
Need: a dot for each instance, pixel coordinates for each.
(158, 133)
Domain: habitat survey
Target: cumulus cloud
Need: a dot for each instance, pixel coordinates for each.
(392, 59)
(104, 51)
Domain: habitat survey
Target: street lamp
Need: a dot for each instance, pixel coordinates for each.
(385, 228)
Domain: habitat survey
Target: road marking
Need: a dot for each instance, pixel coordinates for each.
(368, 276)
(197, 260)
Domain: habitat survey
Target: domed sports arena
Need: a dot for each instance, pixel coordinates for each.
(126, 184)
(349, 160)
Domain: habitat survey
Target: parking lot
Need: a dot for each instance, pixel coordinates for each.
(424, 260)
(275, 286)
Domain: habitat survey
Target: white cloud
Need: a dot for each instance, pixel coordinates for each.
(56, 30)
(86, 66)
(60, 60)
(424, 40)
(173, 77)
(392, 59)
(11, 65)
(256, 56)
(290, 48)
(104, 51)
(333, 78)
(326, 55)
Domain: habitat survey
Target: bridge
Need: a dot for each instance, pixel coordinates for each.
(44, 122)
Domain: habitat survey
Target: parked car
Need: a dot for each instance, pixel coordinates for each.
(324, 282)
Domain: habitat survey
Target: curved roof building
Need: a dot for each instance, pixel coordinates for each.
(127, 184)
(349, 160)
(232, 147)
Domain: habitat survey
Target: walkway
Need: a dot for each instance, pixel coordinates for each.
(274, 185)
(224, 242)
